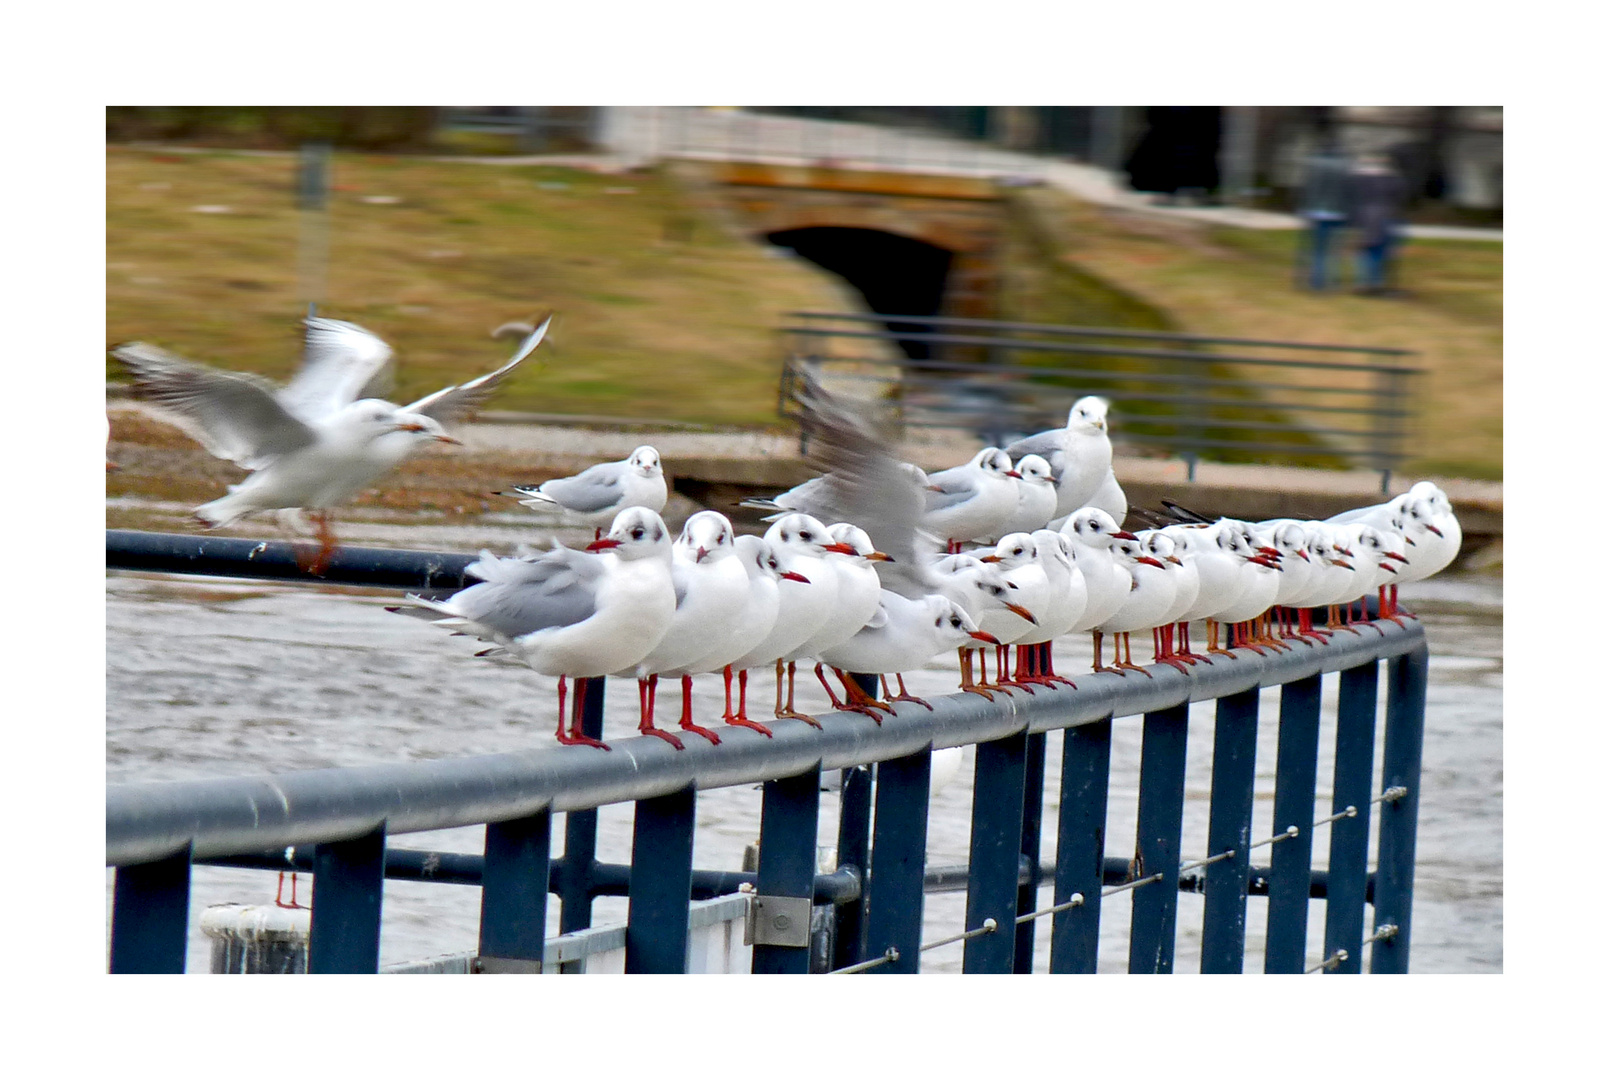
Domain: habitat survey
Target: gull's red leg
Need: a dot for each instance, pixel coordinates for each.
(966, 675)
(859, 701)
(832, 697)
(790, 713)
(646, 690)
(1128, 663)
(739, 719)
(687, 713)
(576, 737)
(903, 695)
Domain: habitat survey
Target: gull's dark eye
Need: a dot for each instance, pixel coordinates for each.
(804, 536)
(636, 534)
(955, 622)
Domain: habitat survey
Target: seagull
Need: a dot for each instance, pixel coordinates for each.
(831, 497)
(1067, 598)
(975, 587)
(313, 443)
(800, 542)
(1107, 580)
(1149, 599)
(1424, 517)
(766, 571)
(849, 563)
(971, 501)
(1036, 496)
(903, 634)
(1080, 454)
(1257, 582)
(1186, 588)
(1017, 555)
(594, 496)
(569, 613)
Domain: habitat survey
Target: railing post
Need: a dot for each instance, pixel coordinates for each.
(151, 916)
(348, 885)
(899, 858)
(1291, 862)
(1399, 819)
(854, 849)
(1234, 764)
(1349, 836)
(787, 869)
(661, 884)
(514, 894)
(581, 841)
(1033, 812)
(997, 801)
(1086, 759)
(1156, 844)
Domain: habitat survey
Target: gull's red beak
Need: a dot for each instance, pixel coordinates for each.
(1018, 609)
(1341, 562)
(1272, 553)
(1175, 560)
(840, 548)
(1014, 473)
(981, 636)
(1303, 553)
(1394, 555)
(1410, 541)
(1388, 566)
(1344, 551)
(449, 439)
(1435, 530)
(411, 425)
(1150, 562)
(1122, 534)
(604, 544)
(791, 576)
(702, 551)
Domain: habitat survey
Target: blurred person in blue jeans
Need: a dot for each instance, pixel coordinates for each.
(1378, 193)
(1324, 205)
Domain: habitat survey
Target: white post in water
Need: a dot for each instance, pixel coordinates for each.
(257, 939)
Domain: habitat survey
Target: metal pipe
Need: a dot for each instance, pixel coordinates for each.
(149, 821)
(275, 560)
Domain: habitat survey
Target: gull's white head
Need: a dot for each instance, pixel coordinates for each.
(1013, 550)
(1088, 415)
(952, 625)
(637, 533)
(1053, 546)
(706, 538)
(1094, 527)
(1034, 469)
(801, 534)
(645, 459)
(1159, 545)
(372, 418)
(856, 539)
(992, 459)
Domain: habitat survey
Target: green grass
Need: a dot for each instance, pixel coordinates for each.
(660, 312)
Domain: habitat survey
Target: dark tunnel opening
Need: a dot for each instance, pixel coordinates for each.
(896, 274)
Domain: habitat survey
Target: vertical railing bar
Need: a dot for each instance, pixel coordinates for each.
(898, 859)
(581, 841)
(151, 916)
(1349, 833)
(1158, 833)
(514, 891)
(1291, 862)
(1407, 676)
(996, 854)
(348, 887)
(1075, 933)
(661, 888)
(1033, 811)
(1234, 778)
(854, 849)
(788, 812)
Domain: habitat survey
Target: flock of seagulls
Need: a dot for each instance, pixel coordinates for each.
(874, 567)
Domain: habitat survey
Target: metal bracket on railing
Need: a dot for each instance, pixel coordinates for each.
(500, 965)
(778, 920)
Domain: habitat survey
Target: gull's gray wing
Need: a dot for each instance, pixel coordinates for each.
(865, 484)
(588, 492)
(1049, 445)
(339, 359)
(235, 415)
(950, 491)
(454, 403)
(521, 596)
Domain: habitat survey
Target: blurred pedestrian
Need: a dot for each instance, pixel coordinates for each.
(1324, 207)
(1378, 194)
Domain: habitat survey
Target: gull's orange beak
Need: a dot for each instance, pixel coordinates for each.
(879, 556)
(411, 425)
(1303, 553)
(1410, 541)
(988, 558)
(1175, 560)
(603, 544)
(841, 548)
(1341, 562)
(981, 636)
(1018, 609)
(449, 439)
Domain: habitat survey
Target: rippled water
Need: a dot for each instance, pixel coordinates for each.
(207, 678)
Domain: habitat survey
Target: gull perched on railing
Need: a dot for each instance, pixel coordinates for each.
(1080, 454)
(595, 495)
(313, 443)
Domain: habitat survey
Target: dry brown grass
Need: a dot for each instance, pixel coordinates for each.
(660, 312)
(1238, 283)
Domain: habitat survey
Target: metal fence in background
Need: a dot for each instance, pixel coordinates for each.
(341, 823)
(1193, 396)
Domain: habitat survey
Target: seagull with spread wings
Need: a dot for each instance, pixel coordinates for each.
(313, 443)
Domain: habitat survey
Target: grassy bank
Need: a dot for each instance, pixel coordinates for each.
(1239, 283)
(661, 313)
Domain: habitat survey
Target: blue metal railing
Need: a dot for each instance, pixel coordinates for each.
(341, 821)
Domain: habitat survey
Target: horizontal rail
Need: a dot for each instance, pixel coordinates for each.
(149, 821)
(1089, 350)
(276, 560)
(1090, 331)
